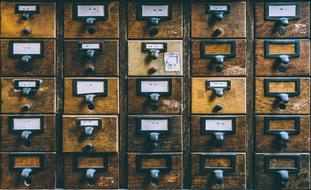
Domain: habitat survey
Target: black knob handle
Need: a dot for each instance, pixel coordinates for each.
(219, 15)
(89, 147)
(218, 108)
(26, 31)
(26, 107)
(90, 70)
(25, 16)
(218, 31)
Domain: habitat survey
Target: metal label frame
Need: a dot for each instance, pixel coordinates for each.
(12, 55)
(98, 94)
(145, 49)
(98, 18)
(139, 10)
(34, 131)
(209, 11)
(231, 55)
(267, 120)
(296, 158)
(162, 94)
(37, 11)
(99, 126)
(16, 82)
(35, 169)
(101, 46)
(267, 48)
(139, 130)
(228, 87)
(290, 94)
(266, 11)
(204, 170)
(203, 131)
(76, 167)
(141, 157)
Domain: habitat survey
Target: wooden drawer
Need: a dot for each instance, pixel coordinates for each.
(218, 133)
(218, 171)
(154, 133)
(28, 133)
(91, 57)
(79, 20)
(28, 95)
(91, 171)
(273, 170)
(95, 133)
(154, 19)
(28, 57)
(91, 96)
(283, 133)
(283, 57)
(28, 170)
(155, 95)
(218, 20)
(218, 58)
(218, 95)
(155, 57)
(155, 171)
(282, 95)
(18, 23)
(285, 20)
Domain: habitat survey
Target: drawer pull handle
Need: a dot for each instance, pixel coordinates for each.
(284, 177)
(219, 176)
(88, 131)
(89, 147)
(90, 176)
(217, 32)
(283, 100)
(283, 139)
(154, 138)
(154, 53)
(155, 21)
(25, 16)
(25, 135)
(26, 31)
(90, 21)
(282, 23)
(154, 176)
(219, 138)
(89, 98)
(154, 97)
(25, 174)
(90, 53)
(219, 59)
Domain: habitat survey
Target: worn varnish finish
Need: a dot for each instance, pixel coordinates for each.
(74, 178)
(141, 143)
(103, 29)
(295, 29)
(299, 66)
(42, 25)
(206, 142)
(103, 105)
(39, 66)
(297, 143)
(298, 180)
(140, 63)
(44, 141)
(296, 105)
(234, 180)
(42, 101)
(44, 179)
(167, 29)
(204, 25)
(167, 180)
(231, 67)
(204, 100)
(166, 105)
(105, 63)
(103, 140)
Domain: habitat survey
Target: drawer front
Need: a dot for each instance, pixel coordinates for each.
(91, 171)
(146, 20)
(155, 58)
(91, 96)
(154, 96)
(207, 166)
(218, 95)
(29, 25)
(282, 57)
(218, 20)
(79, 20)
(282, 95)
(296, 166)
(154, 133)
(95, 133)
(218, 58)
(218, 133)
(143, 170)
(91, 58)
(282, 133)
(28, 170)
(28, 57)
(28, 95)
(283, 20)
(28, 133)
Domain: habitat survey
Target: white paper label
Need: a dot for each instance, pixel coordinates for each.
(25, 84)
(26, 123)
(154, 86)
(218, 125)
(26, 48)
(89, 87)
(215, 84)
(91, 46)
(154, 125)
(155, 46)
(155, 10)
(172, 61)
(218, 8)
(282, 10)
(89, 122)
(90, 10)
(27, 8)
